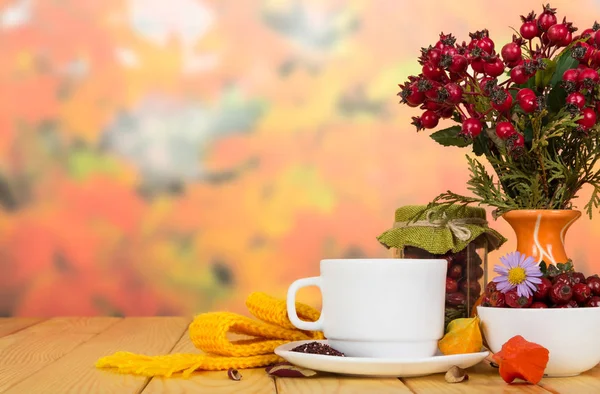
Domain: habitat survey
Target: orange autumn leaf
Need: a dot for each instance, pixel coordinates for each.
(521, 359)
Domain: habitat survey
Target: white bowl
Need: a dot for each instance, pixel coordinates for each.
(570, 334)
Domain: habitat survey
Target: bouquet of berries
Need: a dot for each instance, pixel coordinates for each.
(521, 283)
(530, 109)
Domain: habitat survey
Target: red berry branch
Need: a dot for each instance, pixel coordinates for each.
(525, 107)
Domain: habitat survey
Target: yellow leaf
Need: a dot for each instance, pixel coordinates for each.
(462, 336)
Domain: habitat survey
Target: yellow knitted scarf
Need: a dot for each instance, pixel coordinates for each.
(208, 333)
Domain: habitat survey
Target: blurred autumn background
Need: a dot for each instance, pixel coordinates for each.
(169, 157)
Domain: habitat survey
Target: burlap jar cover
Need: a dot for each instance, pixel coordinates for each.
(440, 231)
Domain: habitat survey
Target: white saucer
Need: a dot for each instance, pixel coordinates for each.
(364, 366)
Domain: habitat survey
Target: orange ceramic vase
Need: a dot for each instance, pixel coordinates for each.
(541, 233)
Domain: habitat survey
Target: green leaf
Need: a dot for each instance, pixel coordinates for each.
(543, 77)
(564, 62)
(479, 145)
(556, 98)
(543, 267)
(450, 137)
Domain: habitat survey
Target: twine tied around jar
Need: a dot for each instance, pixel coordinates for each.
(456, 226)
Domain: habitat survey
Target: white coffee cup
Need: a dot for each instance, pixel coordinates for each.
(384, 308)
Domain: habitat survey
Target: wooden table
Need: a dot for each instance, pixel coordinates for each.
(57, 356)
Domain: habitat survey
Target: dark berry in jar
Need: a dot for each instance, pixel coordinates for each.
(475, 272)
(456, 299)
(451, 285)
(470, 287)
(456, 271)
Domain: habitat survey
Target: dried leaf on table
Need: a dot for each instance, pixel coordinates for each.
(521, 359)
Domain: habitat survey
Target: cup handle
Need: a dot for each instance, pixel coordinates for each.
(291, 304)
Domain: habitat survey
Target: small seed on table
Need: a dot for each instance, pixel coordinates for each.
(234, 374)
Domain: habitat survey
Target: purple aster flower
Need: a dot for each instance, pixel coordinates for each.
(519, 271)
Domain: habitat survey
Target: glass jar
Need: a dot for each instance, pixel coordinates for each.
(459, 235)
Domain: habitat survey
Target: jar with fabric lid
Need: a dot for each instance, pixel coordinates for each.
(457, 234)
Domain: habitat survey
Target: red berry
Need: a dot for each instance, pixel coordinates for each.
(429, 119)
(475, 272)
(434, 56)
(496, 299)
(593, 302)
(432, 105)
(524, 92)
(511, 52)
(471, 128)
(588, 77)
(529, 30)
(487, 85)
(567, 40)
(593, 283)
(494, 67)
(547, 18)
(451, 285)
(501, 100)
(459, 64)
(454, 93)
(581, 292)
(564, 279)
(486, 45)
(528, 104)
(570, 75)
(576, 99)
(589, 33)
(570, 304)
(561, 293)
(432, 72)
(589, 118)
(518, 75)
(558, 32)
(582, 52)
(541, 294)
(478, 65)
(449, 51)
(597, 40)
(411, 95)
(446, 112)
(471, 287)
(505, 130)
(491, 287)
(456, 299)
(517, 142)
(455, 272)
(514, 301)
(578, 277)
(538, 305)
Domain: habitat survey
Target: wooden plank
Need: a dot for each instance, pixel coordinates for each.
(76, 372)
(586, 383)
(9, 325)
(482, 379)
(31, 349)
(254, 381)
(340, 384)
